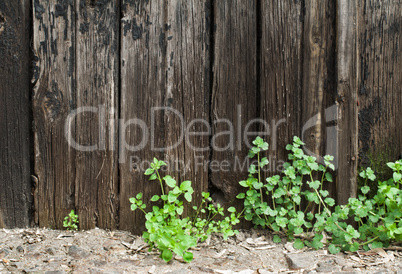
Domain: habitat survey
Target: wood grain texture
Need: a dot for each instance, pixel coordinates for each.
(347, 71)
(143, 87)
(15, 125)
(234, 93)
(53, 100)
(97, 83)
(318, 90)
(188, 92)
(281, 76)
(165, 59)
(379, 88)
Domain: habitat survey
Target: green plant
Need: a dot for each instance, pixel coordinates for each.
(378, 219)
(71, 221)
(284, 214)
(167, 228)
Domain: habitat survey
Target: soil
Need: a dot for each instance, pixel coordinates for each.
(100, 251)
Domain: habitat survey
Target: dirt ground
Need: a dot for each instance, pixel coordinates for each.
(100, 251)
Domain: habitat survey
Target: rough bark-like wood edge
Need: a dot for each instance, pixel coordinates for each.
(347, 71)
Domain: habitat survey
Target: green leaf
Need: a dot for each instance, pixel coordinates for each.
(149, 171)
(133, 207)
(365, 189)
(138, 196)
(391, 165)
(329, 201)
(314, 184)
(179, 210)
(252, 169)
(185, 185)
(153, 177)
(354, 247)
(324, 193)
(188, 196)
(258, 141)
(264, 146)
(167, 255)
(255, 150)
(171, 197)
(328, 177)
(161, 163)
(241, 196)
(155, 198)
(376, 245)
(264, 162)
(257, 185)
(276, 239)
(333, 249)
(188, 257)
(232, 209)
(397, 177)
(298, 244)
(279, 192)
(243, 183)
(170, 181)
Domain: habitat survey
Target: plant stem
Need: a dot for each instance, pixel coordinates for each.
(160, 180)
(369, 241)
(259, 176)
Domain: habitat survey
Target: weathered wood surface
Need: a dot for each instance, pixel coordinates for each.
(53, 100)
(77, 66)
(15, 182)
(318, 108)
(187, 91)
(234, 93)
(164, 66)
(97, 83)
(347, 71)
(143, 58)
(379, 87)
(168, 69)
(281, 76)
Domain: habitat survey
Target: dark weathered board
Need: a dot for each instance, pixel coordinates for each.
(188, 92)
(15, 182)
(143, 87)
(75, 107)
(380, 81)
(281, 76)
(164, 66)
(347, 56)
(234, 93)
(53, 100)
(97, 84)
(318, 128)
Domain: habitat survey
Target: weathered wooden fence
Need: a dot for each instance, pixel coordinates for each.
(92, 89)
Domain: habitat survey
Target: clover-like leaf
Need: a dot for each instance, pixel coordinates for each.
(170, 181)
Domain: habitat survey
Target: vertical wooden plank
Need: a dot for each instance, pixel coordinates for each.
(281, 76)
(53, 101)
(380, 79)
(319, 86)
(187, 92)
(96, 181)
(15, 183)
(165, 85)
(347, 71)
(234, 94)
(143, 84)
